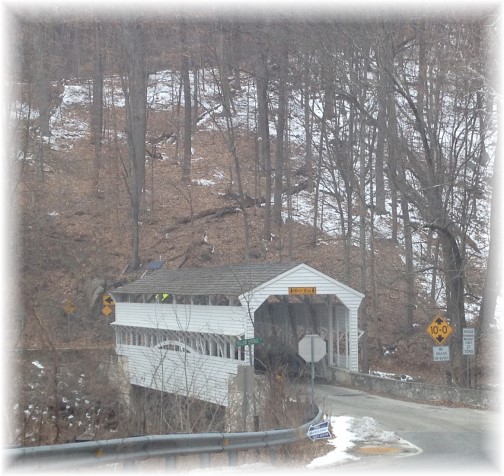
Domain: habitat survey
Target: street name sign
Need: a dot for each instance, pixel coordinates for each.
(319, 431)
(441, 354)
(303, 290)
(250, 341)
(439, 330)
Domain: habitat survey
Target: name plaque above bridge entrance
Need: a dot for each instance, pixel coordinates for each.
(305, 290)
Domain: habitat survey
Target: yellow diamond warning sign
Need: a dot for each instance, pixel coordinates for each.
(108, 305)
(69, 306)
(106, 311)
(439, 329)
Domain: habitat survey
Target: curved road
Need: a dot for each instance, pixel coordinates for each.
(450, 440)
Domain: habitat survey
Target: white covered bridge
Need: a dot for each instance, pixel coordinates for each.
(178, 328)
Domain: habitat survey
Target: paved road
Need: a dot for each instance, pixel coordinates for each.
(450, 440)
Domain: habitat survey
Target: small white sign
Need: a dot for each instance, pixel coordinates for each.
(468, 345)
(468, 332)
(319, 431)
(441, 354)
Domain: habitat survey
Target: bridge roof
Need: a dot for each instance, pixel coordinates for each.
(231, 280)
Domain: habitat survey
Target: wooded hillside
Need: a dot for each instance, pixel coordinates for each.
(365, 149)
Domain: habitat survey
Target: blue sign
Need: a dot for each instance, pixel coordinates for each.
(319, 431)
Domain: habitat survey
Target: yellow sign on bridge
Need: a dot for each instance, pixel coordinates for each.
(307, 290)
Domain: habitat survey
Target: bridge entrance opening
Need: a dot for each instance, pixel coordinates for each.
(283, 320)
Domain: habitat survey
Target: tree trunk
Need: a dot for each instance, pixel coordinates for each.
(97, 104)
(386, 67)
(455, 313)
(135, 92)
(495, 255)
(308, 122)
(410, 277)
(186, 161)
(263, 138)
(279, 155)
(229, 135)
(42, 87)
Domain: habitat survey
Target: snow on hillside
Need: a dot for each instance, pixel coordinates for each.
(164, 89)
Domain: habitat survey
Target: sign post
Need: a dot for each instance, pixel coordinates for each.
(245, 381)
(242, 343)
(312, 348)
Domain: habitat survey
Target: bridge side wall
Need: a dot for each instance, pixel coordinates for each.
(182, 373)
(224, 320)
(417, 391)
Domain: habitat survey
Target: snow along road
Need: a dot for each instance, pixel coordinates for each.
(448, 440)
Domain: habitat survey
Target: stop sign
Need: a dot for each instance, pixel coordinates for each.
(312, 345)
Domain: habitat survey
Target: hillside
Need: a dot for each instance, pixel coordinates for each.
(73, 238)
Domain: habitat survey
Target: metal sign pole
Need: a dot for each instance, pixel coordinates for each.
(312, 402)
(254, 404)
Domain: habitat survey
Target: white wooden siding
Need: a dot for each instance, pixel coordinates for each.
(224, 320)
(182, 373)
(302, 276)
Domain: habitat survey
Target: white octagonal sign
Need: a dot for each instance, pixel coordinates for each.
(312, 345)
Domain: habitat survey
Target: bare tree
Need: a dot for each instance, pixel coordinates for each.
(97, 103)
(186, 83)
(263, 138)
(134, 83)
(435, 171)
(282, 60)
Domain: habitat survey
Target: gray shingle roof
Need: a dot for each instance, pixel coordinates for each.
(231, 280)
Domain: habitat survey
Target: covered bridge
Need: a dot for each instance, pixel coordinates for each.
(178, 328)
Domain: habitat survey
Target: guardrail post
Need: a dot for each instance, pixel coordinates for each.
(129, 465)
(171, 462)
(205, 460)
(273, 454)
(233, 458)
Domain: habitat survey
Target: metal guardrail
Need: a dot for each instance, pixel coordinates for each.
(129, 450)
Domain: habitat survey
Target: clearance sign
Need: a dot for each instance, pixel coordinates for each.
(439, 330)
(303, 290)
